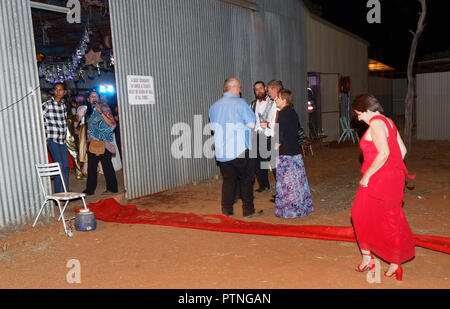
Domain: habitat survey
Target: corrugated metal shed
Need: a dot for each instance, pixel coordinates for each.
(433, 106)
(22, 142)
(190, 47)
(331, 49)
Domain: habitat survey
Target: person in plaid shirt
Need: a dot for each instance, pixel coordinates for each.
(54, 112)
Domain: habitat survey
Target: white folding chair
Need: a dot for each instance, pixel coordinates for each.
(49, 170)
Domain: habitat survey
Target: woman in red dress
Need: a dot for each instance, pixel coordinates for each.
(378, 220)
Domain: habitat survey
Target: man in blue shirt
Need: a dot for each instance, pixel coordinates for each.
(231, 120)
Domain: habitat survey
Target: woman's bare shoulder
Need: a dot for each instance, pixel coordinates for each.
(378, 126)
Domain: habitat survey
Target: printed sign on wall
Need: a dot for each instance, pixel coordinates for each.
(141, 90)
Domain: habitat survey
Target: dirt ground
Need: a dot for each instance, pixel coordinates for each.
(157, 257)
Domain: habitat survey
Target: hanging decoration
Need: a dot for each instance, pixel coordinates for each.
(56, 71)
(93, 58)
(82, 64)
(81, 49)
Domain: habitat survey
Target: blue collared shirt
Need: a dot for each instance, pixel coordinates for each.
(230, 119)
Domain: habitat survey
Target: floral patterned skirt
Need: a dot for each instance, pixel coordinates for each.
(293, 198)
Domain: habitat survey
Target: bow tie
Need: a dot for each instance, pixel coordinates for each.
(262, 100)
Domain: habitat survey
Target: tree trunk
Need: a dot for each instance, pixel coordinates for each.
(409, 101)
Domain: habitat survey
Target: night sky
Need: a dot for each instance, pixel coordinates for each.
(391, 40)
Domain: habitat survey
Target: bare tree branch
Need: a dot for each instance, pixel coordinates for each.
(409, 101)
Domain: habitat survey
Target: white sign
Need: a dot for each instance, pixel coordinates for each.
(141, 90)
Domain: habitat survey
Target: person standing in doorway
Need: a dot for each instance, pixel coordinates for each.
(231, 121)
(265, 111)
(72, 136)
(100, 137)
(54, 112)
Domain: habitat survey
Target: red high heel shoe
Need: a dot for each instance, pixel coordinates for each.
(369, 266)
(398, 273)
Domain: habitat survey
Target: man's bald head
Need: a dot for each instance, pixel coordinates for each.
(232, 85)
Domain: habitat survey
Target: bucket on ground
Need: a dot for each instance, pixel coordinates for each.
(85, 221)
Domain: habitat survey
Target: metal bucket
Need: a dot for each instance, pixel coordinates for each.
(85, 221)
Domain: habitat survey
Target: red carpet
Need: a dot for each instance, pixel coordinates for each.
(110, 210)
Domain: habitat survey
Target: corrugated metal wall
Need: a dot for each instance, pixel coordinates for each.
(190, 47)
(333, 50)
(279, 49)
(399, 91)
(433, 106)
(381, 88)
(22, 142)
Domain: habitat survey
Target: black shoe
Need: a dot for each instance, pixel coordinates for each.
(254, 214)
(230, 215)
(85, 192)
(262, 189)
(272, 200)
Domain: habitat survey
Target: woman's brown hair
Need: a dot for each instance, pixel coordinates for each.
(366, 102)
(286, 94)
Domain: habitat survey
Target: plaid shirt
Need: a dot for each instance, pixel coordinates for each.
(55, 120)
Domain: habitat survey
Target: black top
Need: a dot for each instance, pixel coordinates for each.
(288, 128)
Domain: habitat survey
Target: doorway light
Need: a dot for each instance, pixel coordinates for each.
(377, 66)
(106, 89)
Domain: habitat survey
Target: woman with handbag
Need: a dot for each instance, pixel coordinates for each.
(100, 138)
(293, 198)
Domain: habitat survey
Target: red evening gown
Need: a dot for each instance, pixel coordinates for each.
(378, 220)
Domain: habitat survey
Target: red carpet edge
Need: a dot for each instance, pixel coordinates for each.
(109, 210)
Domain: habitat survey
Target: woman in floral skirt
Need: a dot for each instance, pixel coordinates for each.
(293, 197)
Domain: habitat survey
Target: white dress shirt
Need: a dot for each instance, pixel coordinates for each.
(260, 107)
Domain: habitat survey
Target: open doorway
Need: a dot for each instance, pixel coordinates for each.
(324, 95)
(80, 55)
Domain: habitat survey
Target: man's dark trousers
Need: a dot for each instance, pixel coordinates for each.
(239, 171)
(262, 174)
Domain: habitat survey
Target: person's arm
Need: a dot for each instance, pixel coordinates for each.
(270, 123)
(248, 115)
(402, 145)
(282, 127)
(44, 116)
(378, 133)
(107, 115)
